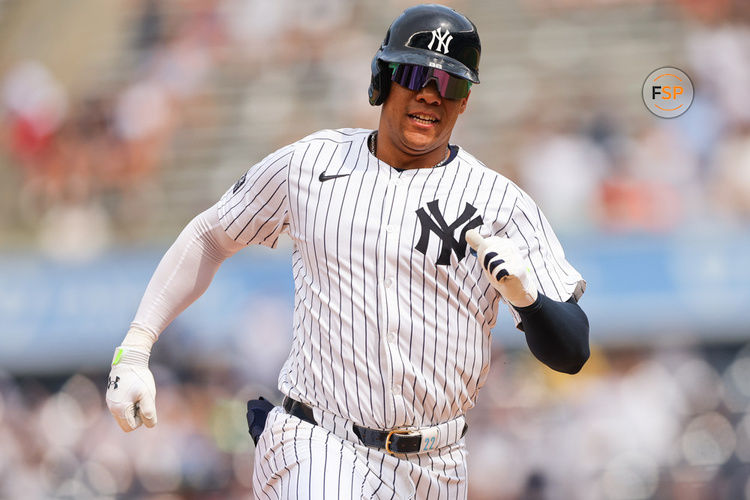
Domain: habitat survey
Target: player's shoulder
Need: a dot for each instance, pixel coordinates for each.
(492, 177)
(341, 135)
(469, 161)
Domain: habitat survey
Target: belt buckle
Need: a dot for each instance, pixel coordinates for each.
(390, 434)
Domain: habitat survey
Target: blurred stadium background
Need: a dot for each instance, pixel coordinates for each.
(122, 119)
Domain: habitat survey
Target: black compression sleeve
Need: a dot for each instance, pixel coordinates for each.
(557, 333)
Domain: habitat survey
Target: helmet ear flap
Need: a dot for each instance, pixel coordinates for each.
(380, 81)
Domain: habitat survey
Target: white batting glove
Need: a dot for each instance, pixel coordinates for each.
(505, 267)
(131, 391)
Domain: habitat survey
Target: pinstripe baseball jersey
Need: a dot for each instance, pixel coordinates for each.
(392, 312)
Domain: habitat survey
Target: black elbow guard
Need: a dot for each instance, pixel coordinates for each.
(557, 333)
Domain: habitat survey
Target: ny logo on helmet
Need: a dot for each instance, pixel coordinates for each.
(442, 39)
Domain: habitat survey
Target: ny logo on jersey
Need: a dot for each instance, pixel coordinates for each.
(446, 232)
(442, 39)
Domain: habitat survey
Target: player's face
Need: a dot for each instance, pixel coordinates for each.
(416, 123)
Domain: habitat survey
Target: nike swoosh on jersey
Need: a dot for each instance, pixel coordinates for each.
(323, 177)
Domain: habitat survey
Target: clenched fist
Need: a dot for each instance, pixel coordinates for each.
(505, 267)
(131, 392)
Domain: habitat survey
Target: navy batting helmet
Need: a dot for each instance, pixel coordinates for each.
(428, 35)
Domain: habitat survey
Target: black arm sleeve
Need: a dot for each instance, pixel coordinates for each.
(557, 333)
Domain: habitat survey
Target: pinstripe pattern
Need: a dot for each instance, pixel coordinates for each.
(384, 336)
(294, 460)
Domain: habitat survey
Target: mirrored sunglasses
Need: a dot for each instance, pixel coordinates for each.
(415, 77)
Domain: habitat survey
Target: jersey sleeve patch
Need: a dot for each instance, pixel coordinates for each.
(255, 210)
(239, 183)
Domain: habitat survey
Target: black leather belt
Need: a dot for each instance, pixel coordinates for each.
(299, 410)
(394, 441)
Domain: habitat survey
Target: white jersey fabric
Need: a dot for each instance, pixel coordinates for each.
(392, 313)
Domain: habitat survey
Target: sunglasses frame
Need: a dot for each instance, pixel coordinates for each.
(448, 85)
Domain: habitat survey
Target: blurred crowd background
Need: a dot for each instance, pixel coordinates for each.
(121, 120)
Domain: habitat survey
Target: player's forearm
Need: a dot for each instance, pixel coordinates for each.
(557, 333)
(184, 273)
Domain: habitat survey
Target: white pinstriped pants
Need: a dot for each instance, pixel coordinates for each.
(297, 460)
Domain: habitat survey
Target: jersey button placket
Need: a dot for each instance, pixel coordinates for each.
(390, 288)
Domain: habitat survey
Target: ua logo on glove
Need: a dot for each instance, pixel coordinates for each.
(112, 384)
(490, 265)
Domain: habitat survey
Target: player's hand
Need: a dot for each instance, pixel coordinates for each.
(131, 391)
(505, 267)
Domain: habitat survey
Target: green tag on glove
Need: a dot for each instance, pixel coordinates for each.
(118, 355)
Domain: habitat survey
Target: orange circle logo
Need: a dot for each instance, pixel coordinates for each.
(668, 92)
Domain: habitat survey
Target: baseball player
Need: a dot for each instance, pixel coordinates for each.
(404, 246)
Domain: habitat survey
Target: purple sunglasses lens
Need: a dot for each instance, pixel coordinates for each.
(409, 76)
(418, 78)
(414, 77)
(442, 79)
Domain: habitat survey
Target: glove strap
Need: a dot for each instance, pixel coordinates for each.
(127, 355)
